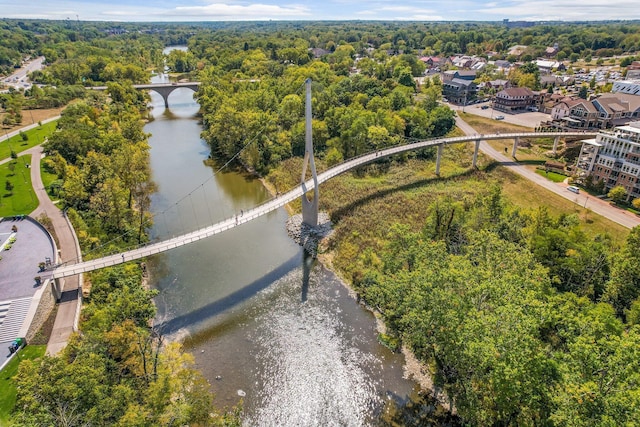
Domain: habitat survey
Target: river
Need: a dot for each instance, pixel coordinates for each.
(265, 324)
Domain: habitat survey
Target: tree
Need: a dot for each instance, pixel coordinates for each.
(583, 93)
(624, 286)
(617, 194)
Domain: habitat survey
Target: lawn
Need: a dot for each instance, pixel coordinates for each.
(16, 192)
(8, 395)
(35, 136)
(551, 176)
(48, 177)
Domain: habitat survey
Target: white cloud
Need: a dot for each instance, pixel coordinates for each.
(563, 9)
(234, 10)
(238, 11)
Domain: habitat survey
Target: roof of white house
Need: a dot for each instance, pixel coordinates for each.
(543, 63)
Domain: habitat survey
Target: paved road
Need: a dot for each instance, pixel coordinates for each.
(598, 206)
(19, 78)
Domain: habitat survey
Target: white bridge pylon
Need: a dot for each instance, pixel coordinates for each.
(65, 270)
(309, 207)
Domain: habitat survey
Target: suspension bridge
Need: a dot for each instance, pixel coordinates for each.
(309, 207)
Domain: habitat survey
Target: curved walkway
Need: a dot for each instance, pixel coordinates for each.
(67, 246)
(68, 250)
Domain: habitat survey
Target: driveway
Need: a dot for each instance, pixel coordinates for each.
(622, 217)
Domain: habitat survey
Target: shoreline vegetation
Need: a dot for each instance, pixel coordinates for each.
(524, 310)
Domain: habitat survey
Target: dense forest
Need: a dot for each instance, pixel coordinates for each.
(523, 318)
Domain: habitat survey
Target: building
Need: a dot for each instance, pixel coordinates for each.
(631, 87)
(434, 61)
(613, 157)
(546, 66)
(517, 50)
(514, 99)
(633, 70)
(551, 51)
(459, 91)
(459, 74)
(502, 65)
(604, 112)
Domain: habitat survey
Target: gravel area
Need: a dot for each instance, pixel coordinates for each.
(309, 237)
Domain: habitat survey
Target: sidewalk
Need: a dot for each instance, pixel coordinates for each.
(68, 250)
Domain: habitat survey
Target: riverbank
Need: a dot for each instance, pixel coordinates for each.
(413, 368)
(319, 246)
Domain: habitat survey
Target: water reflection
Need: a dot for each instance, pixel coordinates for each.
(260, 316)
(307, 264)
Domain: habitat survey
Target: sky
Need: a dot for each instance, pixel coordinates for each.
(308, 10)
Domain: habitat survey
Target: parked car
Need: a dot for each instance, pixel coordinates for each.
(499, 117)
(484, 107)
(573, 189)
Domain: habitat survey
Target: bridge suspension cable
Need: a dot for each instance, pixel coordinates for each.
(148, 221)
(274, 203)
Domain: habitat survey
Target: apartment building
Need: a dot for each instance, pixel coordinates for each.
(613, 157)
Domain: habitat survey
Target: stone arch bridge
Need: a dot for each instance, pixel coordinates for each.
(164, 89)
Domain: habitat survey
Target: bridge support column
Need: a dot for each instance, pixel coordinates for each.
(555, 144)
(516, 141)
(57, 285)
(475, 153)
(440, 147)
(309, 207)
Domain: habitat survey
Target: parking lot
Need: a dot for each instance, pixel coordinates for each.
(526, 118)
(19, 260)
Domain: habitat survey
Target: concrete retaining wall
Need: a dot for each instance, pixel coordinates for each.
(41, 306)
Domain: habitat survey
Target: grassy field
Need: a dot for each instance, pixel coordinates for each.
(35, 136)
(21, 199)
(535, 149)
(364, 207)
(47, 178)
(33, 116)
(525, 194)
(8, 395)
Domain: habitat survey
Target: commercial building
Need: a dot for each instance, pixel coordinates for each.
(514, 99)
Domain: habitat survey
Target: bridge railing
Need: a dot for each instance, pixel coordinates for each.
(154, 247)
